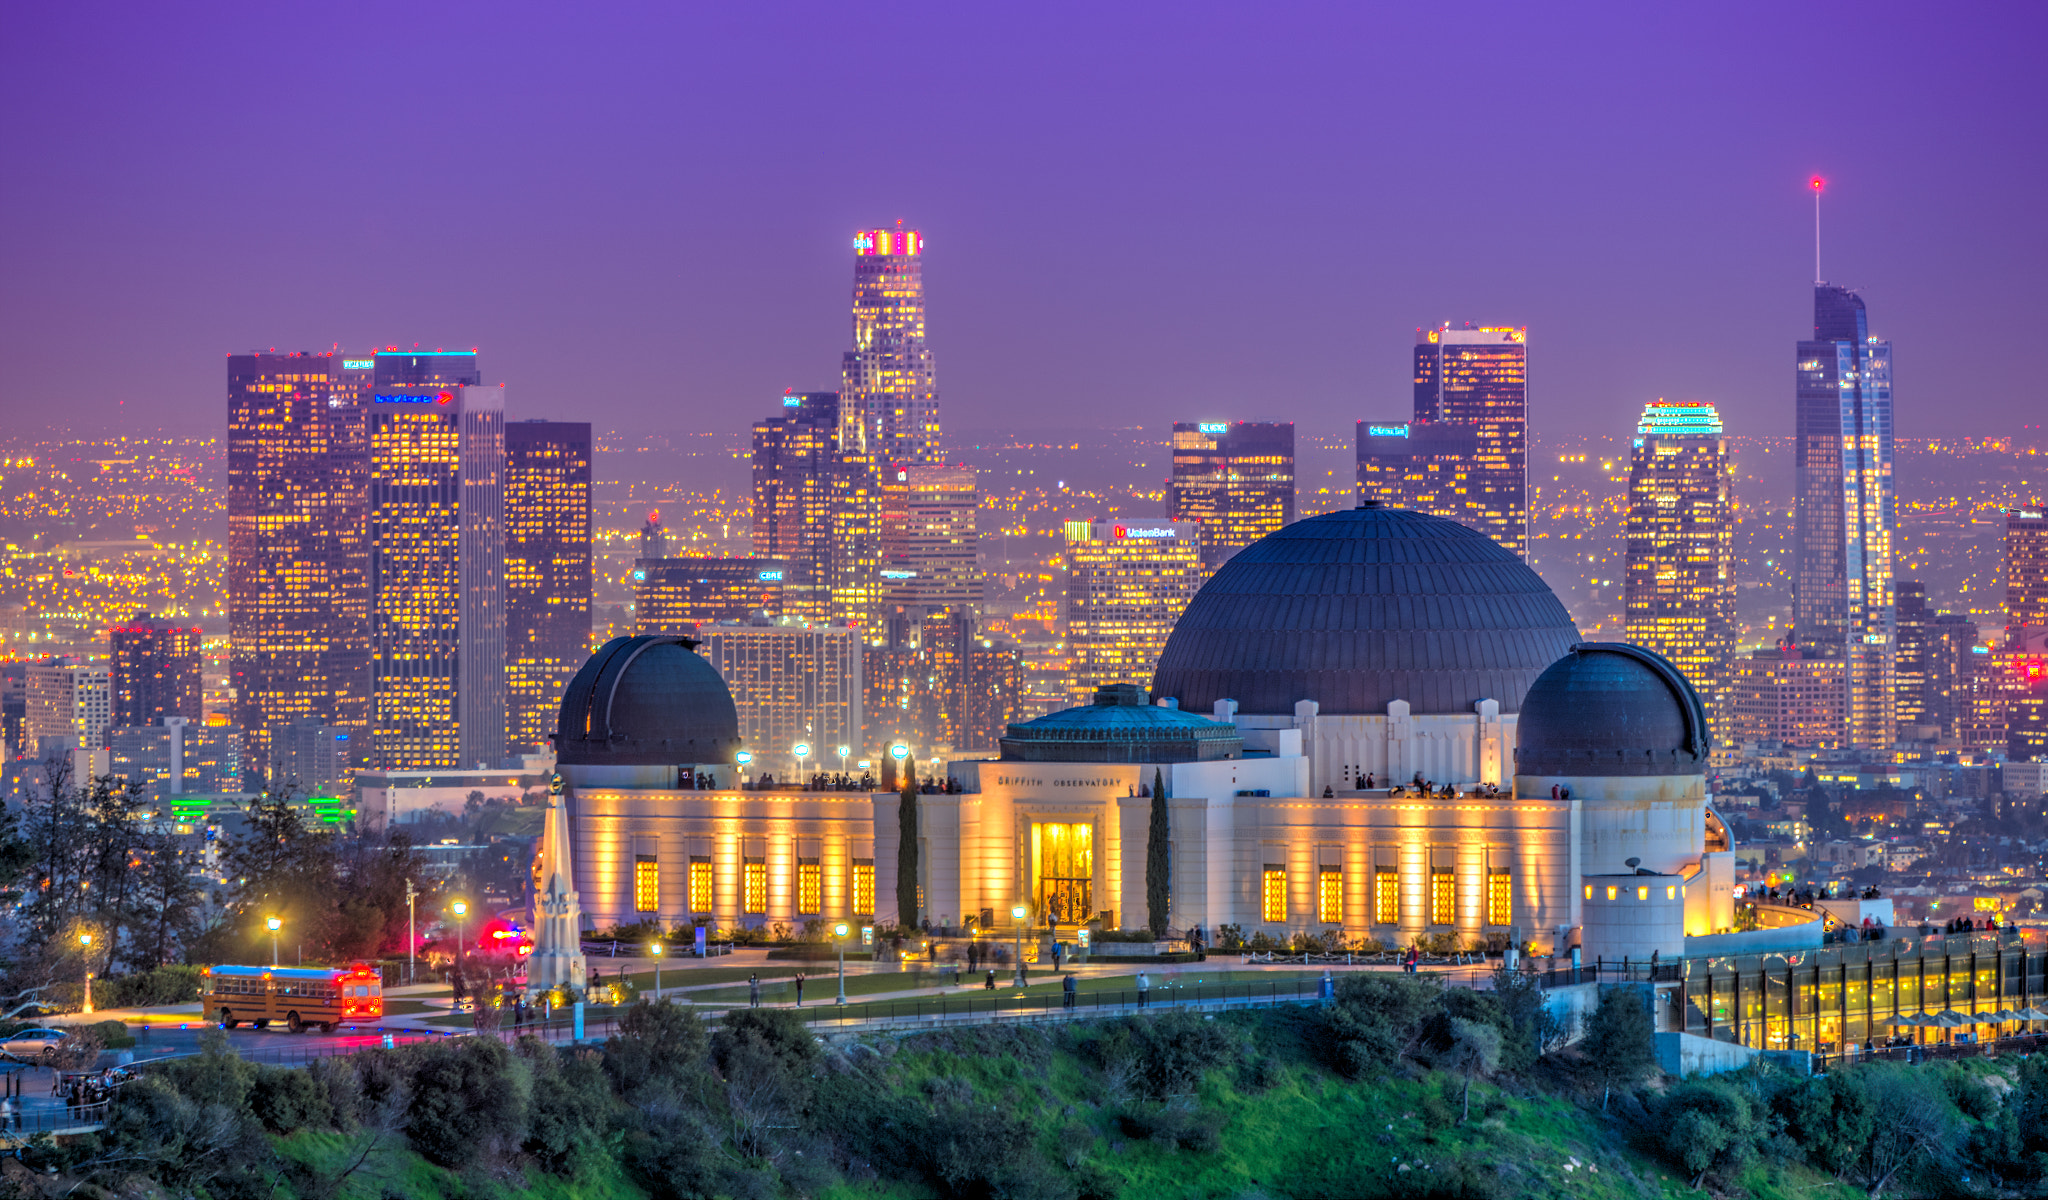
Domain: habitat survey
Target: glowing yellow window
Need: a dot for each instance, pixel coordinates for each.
(700, 884)
(1386, 897)
(864, 886)
(1671, 893)
(1443, 898)
(1273, 897)
(1330, 896)
(646, 883)
(754, 885)
(1589, 891)
(1610, 893)
(809, 885)
(1500, 899)
(1642, 893)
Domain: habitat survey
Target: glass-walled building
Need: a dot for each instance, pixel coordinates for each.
(1679, 555)
(1233, 478)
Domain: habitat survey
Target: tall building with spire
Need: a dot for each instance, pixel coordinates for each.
(1845, 511)
(1679, 556)
(298, 561)
(890, 397)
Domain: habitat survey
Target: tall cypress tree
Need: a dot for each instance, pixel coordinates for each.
(906, 850)
(1158, 863)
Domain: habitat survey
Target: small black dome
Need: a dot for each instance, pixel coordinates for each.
(1609, 708)
(646, 701)
(1358, 608)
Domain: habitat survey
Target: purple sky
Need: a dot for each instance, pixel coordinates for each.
(642, 213)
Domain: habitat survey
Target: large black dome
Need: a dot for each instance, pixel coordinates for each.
(646, 701)
(1358, 608)
(1609, 708)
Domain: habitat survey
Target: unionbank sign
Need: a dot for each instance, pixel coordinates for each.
(1154, 532)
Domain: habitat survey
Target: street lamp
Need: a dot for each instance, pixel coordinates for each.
(85, 951)
(802, 750)
(275, 923)
(743, 758)
(839, 931)
(655, 949)
(461, 909)
(1017, 916)
(843, 752)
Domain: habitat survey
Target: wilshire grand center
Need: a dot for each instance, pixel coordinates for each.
(1845, 507)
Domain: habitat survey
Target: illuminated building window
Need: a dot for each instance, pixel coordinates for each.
(1273, 895)
(754, 886)
(1610, 893)
(1443, 898)
(1386, 897)
(1330, 896)
(1500, 902)
(864, 887)
(646, 884)
(809, 885)
(1589, 891)
(1063, 870)
(700, 884)
(1642, 893)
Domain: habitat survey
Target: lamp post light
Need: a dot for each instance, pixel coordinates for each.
(275, 924)
(743, 758)
(656, 950)
(802, 750)
(1017, 916)
(843, 752)
(85, 951)
(839, 931)
(461, 909)
(410, 941)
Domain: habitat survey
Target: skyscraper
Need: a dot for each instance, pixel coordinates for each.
(817, 507)
(547, 572)
(2024, 661)
(891, 407)
(794, 684)
(675, 596)
(1478, 379)
(1845, 510)
(1127, 583)
(67, 699)
(1679, 557)
(1233, 478)
(931, 549)
(1406, 464)
(298, 558)
(437, 549)
(155, 671)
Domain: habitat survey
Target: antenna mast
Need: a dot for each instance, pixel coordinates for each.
(1816, 183)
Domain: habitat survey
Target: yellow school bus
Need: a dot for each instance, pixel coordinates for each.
(297, 996)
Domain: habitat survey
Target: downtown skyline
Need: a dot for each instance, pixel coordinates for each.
(1076, 283)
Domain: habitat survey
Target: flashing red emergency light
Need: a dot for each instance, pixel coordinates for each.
(1816, 183)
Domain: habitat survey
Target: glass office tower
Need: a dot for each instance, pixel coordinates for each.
(547, 572)
(1678, 559)
(437, 550)
(817, 506)
(1845, 510)
(1478, 380)
(891, 392)
(298, 560)
(1235, 479)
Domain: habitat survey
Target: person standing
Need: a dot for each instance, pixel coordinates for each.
(1067, 991)
(754, 991)
(1413, 960)
(799, 989)
(1144, 989)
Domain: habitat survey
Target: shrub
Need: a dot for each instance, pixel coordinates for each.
(1376, 1018)
(467, 1105)
(1166, 1055)
(286, 1099)
(169, 984)
(1621, 1044)
(571, 1105)
(1175, 1126)
(1709, 1126)
(657, 1045)
(113, 1035)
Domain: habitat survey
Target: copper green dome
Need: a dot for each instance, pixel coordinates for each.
(1120, 727)
(1359, 608)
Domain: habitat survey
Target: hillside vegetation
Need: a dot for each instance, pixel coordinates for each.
(1397, 1089)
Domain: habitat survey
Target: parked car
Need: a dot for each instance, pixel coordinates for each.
(32, 1045)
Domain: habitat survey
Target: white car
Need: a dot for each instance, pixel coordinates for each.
(32, 1045)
